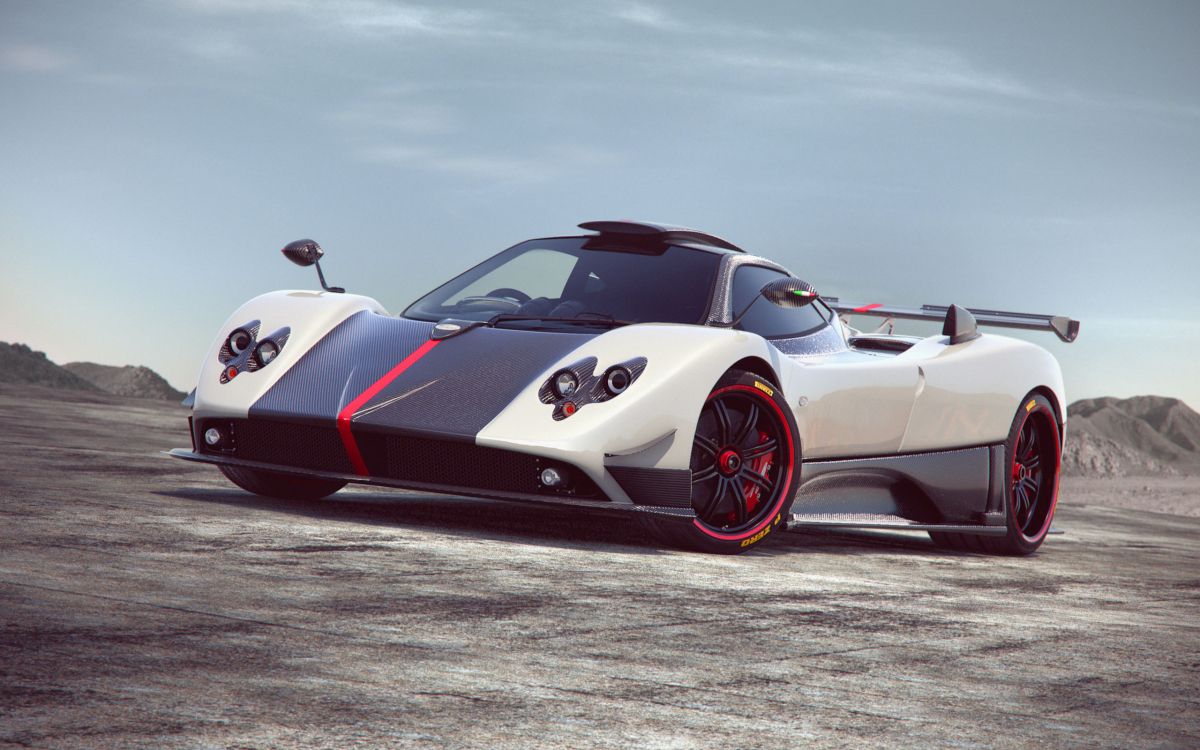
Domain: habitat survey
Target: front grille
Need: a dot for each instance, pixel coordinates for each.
(457, 464)
(289, 444)
(403, 458)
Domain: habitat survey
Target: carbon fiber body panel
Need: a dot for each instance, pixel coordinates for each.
(343, 364)
(670, 488)
(465, 381)
(599, 502)
(403, 459)
(941, 487)
(454, 390)
(827, 340)
(721, 309)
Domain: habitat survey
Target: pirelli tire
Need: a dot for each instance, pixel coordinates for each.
(1033, 457)
(745, 469)
(285, 486)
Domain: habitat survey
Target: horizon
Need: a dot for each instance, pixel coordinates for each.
(1038, 161)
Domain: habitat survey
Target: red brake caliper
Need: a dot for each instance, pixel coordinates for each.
(762, 465)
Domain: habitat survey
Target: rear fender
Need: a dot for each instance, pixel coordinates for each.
(971, 391)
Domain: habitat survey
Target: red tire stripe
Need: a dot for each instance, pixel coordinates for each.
(347, 414)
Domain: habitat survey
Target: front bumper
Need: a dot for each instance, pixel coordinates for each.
(426, 463)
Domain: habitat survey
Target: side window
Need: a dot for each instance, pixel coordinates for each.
(766, 319)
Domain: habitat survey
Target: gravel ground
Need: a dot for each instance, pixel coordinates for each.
(145, 603)
(1178, 496)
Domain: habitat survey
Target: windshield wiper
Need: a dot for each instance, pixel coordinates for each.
(599, 319)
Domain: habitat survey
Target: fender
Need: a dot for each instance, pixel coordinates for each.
(657, 413)
(310, 315)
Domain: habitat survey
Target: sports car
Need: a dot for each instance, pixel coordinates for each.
(653, 369)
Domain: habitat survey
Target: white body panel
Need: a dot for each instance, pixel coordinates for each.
(310, 315)
(971, 391)
(849, 404)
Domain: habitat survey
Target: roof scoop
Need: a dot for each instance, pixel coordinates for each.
(309, 253)
(649, 231)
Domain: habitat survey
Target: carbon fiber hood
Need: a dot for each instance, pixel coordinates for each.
(397, 380)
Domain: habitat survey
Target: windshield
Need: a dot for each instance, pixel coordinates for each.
(563, 279)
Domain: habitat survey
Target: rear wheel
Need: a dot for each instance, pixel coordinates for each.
(745, 461)
(274, 484)
(1033, 454)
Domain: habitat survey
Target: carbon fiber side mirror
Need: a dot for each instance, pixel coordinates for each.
(789, 292)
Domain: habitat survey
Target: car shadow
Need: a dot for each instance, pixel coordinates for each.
(533, 523)
(541, 524)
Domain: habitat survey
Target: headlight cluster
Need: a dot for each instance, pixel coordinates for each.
(565, 384)
(243, 352)
(578, 384)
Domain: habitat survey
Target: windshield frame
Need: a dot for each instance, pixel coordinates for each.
(580, 245)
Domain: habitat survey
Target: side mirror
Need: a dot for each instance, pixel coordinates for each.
(303, 252)
(789, 292)
(309, 253)
(785, 292)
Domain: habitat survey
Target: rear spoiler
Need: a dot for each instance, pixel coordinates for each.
(955, 322)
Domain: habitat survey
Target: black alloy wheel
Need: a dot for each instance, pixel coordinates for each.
(745, 466)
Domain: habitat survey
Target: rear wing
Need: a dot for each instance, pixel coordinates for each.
(1063, 327)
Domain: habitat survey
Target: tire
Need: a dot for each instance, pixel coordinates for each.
(1033, 451)
(745, 469)
(286, 486)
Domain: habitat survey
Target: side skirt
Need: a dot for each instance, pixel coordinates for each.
(799, 522)
(958, 490)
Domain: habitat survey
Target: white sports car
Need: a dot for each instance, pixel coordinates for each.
(651, 368)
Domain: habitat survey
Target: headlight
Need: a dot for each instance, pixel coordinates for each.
(239, 341)
(565, 383)
(266, 352)
(617, 379)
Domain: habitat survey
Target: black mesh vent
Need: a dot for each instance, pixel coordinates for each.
(447, 463)
(290, 444)
(458, 464)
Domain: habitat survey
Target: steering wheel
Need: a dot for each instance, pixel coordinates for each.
(502, 304)
(505, 291)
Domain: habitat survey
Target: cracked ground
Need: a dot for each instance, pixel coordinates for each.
(147, 603)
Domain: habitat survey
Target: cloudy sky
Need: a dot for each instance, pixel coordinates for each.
(1044, 157)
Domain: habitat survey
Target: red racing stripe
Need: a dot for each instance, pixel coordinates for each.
(344, 417)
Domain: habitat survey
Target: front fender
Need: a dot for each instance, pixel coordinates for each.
(309, 315)
(652, 423)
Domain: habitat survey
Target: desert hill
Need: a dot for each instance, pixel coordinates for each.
(21, 364)
(1139, 436)
(138, 382)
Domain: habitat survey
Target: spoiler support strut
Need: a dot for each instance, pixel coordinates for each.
(1065, 328)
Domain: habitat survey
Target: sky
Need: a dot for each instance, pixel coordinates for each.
(1037, 157)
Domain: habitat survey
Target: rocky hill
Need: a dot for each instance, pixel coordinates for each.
(1139, 436)
(21, 364)
(138, 382)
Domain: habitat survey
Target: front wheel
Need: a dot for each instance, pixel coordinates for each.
(286, 486)
(1033, 454)
(745, 469)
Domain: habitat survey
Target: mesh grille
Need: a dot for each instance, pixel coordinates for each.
(451, 464)
(458, 464)
(290, 444)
